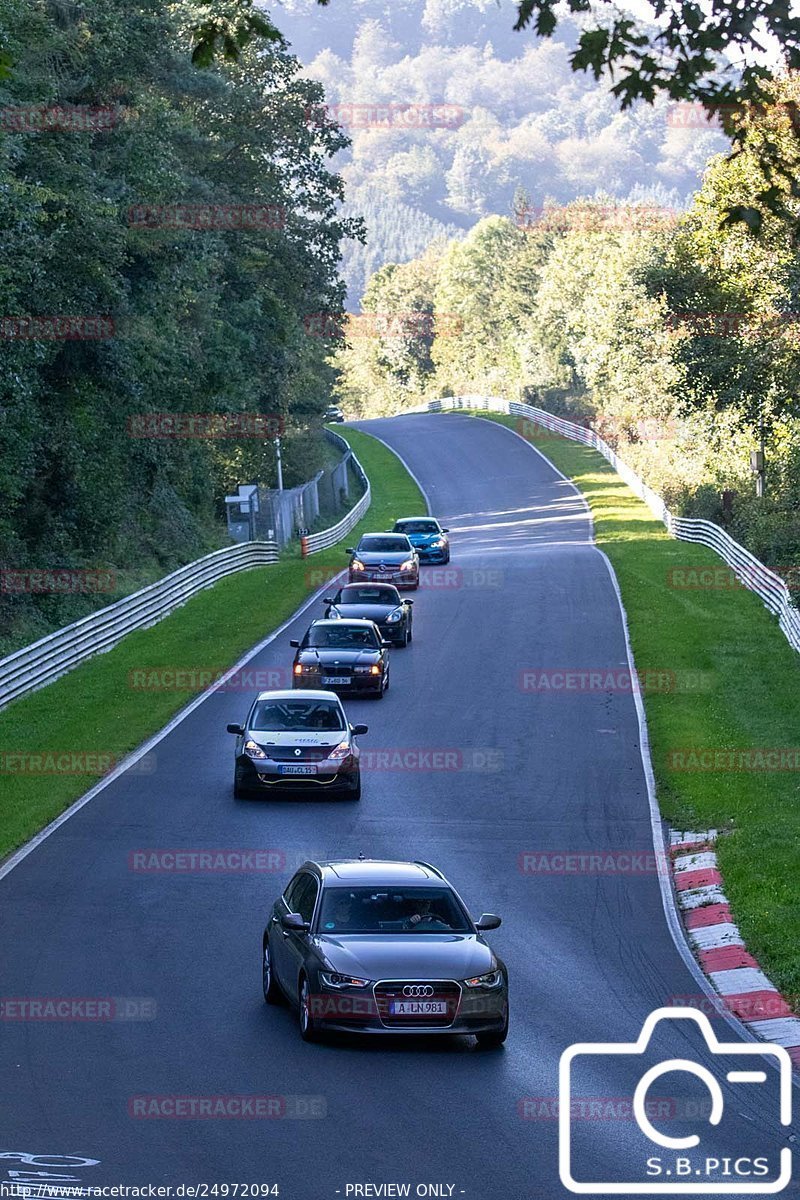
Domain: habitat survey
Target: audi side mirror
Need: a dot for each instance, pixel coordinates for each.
(295, 923)
(488, 921)
(237, 729)
(294, 642)
(357, 729)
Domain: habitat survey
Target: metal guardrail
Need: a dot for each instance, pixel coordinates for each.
(329, 537)
(31, 668)
(42, 662)
(750, 572)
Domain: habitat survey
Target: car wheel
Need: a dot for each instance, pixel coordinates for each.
(354, 793)
(308, 1030)
(410, 638)
(272, 991)
(240, 791)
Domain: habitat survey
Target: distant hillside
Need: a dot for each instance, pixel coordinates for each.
(515, 116)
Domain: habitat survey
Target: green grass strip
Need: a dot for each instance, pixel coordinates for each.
(736, 687)
(98, 709)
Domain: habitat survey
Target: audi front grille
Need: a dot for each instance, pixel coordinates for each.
(389, 990)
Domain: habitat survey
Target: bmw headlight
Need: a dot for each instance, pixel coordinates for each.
(332, 979)
(253, 750)
(493, 979)
(394, 617)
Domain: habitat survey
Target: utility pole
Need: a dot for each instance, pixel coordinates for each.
(758, 457)
(280, 464)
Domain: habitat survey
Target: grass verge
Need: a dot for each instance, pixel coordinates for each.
(735, 687)
(97, 710)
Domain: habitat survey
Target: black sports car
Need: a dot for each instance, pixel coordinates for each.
(378, 602)
(292, 743)
(384, 558)
(383, 947)
(343, 655)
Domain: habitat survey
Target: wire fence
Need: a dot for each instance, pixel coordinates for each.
(50, 657)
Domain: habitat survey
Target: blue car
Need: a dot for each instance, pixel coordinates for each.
(427, 537)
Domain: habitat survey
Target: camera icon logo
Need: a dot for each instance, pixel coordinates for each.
(678, 1171)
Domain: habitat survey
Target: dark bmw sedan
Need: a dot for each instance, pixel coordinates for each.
(383, 947)
(378, 602)
(347, 656)
(384, 558)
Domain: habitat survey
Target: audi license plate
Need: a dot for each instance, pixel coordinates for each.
(334, 680)
(297, 769)
(418, 1008)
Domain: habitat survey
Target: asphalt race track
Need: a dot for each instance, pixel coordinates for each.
(589, 954)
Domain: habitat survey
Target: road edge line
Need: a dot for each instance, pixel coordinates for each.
(17, 856)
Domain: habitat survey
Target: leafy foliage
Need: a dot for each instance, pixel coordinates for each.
(679, 339)
(208, 317)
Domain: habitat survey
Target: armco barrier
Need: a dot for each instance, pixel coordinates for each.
(329, 537)
(31, 668)
(40, 663)
(751, 573)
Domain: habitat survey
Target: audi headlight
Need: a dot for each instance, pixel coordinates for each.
(408, 565)
(341, 751)
(253, 750)
(357, 565)
(493, 979)
(394, 617)
(337, 981)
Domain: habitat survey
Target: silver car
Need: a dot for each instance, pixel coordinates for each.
(299, 743)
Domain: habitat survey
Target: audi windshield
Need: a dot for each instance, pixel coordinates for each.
(392, 910)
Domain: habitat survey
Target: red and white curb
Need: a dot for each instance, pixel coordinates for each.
(715, 938)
